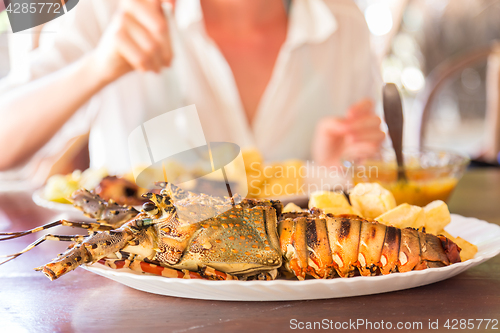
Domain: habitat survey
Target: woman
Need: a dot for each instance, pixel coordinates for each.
(283, 79)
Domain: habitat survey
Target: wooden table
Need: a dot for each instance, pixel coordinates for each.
(82, 301)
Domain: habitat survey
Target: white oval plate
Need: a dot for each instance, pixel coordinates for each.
(66, 210)
(483, 234)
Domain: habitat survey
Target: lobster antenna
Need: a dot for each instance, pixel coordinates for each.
(63, 238)
(92, 226)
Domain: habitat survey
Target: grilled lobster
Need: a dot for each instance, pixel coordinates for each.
(325, 246)
(182, 234)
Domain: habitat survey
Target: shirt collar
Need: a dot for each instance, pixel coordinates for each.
(187, 12)
(311, 21)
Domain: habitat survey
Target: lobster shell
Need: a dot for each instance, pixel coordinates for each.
(325, 246)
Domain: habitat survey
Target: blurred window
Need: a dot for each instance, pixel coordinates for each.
(450, 28)
(424, 34)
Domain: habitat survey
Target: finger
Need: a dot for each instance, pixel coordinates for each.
(376, 137)
(362, 108)
(131, 52)
(361, 150)
(333, 126)
(150, 14)
(166, 47)
(166, 42)
(363, 124)
(149, 47)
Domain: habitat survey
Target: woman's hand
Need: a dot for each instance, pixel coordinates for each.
(137, 39)
(357, 135)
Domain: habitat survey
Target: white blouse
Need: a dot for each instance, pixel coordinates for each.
(324, 66)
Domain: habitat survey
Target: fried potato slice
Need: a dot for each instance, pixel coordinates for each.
(60, 187)
(469, 250)
(437, 216)
(371, 199)
(271, 179)
(403, 216)
(282, 178)
(332, 202)
(253, 167)
(291, 207)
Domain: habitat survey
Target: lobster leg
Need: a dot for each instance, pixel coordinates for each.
(77, 238)
(133, 262)
(91, 226)
(91, 249)
(95, 207)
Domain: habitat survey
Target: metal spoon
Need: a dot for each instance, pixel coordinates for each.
(393, 113)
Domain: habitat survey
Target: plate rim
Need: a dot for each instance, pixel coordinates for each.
(40, 201)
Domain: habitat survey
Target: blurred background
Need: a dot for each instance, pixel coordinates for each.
(441, 53)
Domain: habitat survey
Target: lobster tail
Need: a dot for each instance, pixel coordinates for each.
(319, 256)
(390, 251)
(343, 235)
(324, 246)
(451, 249)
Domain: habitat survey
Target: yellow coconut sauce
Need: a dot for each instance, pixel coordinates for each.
(421, 193)
(423, 186)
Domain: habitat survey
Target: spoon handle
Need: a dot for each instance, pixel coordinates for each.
(393, 113)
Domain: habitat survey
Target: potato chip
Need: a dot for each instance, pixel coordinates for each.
(331, 202)
(371, 199)
(291, 207)
(437, 216)
(403, 216)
